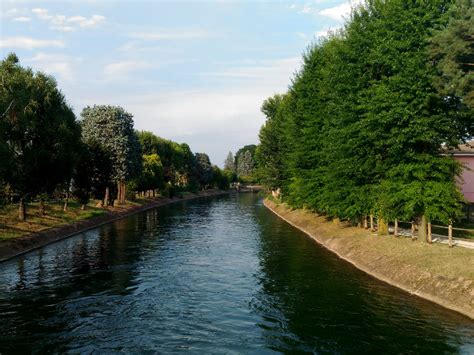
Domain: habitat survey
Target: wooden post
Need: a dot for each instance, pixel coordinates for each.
(413, 231)
(395, 228)
(365, 222)
(371, 222)
(450, 234)
(430, 236)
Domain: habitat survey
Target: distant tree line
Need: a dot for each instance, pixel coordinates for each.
(364, 125)
(242, 167)
(46, 152)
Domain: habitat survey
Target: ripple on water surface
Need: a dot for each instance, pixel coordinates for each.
(216, 275)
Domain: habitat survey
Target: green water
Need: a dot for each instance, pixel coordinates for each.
(216, 275)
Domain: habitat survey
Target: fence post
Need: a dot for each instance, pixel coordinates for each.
(371, 222)
(430, 239)
(450, 234)
(395, 228)
(413, 230)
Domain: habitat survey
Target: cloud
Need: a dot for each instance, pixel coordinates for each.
(223, 115)
(68, 24)
(57, 64)
(167, 34)
(337, 12)
(29, 43)
(342, 11)
(120, 69)
(21, 19)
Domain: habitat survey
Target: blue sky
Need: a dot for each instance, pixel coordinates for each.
(190, 71)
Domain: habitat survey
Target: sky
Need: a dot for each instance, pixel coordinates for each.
(194, 72)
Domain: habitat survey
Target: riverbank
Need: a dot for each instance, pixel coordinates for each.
(432, 271)
(11, 248)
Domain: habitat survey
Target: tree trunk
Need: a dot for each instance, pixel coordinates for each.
(430, 235)
(22, 210)
(371, 222)
(41, 207)
(382, 226)
(66, 201)
(395, 228)
(422, 229)
(119, 192)
(83, 206)
(107, 197)
(365, 222)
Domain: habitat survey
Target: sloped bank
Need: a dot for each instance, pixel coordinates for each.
(434, 272)
(18, 246)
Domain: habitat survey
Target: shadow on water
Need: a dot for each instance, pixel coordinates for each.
(325, 305)
(215, 275)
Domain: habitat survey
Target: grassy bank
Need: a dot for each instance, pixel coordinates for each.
(11, 227)
(433, 271)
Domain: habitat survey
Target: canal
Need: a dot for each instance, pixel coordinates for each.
(213, 275)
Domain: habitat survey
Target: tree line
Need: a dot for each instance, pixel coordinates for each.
(46, 152)
(365, 124)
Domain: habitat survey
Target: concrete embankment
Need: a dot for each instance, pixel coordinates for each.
(434, 272)
(18, 246)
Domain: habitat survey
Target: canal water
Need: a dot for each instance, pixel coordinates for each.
(215, 275)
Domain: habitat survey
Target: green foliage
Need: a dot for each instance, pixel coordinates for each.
(39, 135)
(152, 174)
(452, 49)
(362, 126)
(203, 170)
(112, 128)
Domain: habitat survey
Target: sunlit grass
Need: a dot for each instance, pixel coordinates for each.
(11, 227)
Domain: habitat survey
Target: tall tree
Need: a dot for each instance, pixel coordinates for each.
(40, 131)
(229, 163)
(112, 128)
(203, 170)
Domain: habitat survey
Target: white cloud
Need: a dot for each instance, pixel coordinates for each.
(167, 34)
(21, 19)
(337, 12)
(222, 116)
(55, 64)
(29, 43)
(342, 11)
(67, 24)
(120, 70)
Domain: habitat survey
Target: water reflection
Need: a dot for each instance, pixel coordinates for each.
(219, 275)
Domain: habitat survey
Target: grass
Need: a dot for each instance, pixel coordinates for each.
(435, 258)
(11, 227)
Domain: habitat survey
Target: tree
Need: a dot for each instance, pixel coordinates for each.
(361, 129)
(452, 49)
(93, 173)
(229, 163)
(112, 128)
(42, 135)
(152, 174)
(203, 170)
(245, 166)
(270, 154)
